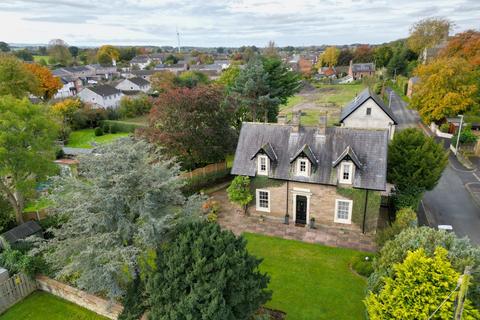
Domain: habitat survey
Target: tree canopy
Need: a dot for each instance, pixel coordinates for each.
(59, 53)
(447, 87)
(206, 273)
(415, 160)
(330, 57)
(15, 79)
(128, 196)
(47, 84)
(193, 125)
(464, 45)
(107, 54)
(239, 191)
(419, 285)
(428, 33)
(27, 136)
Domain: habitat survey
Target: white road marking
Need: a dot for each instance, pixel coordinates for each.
(476, 176)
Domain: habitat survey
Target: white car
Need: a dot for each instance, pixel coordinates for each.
(446, 227)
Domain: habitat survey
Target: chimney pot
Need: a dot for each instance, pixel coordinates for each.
(296, 121)
(322, 125)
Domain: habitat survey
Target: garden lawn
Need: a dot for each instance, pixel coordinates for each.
(44, 306)
(38, 58)
(310, 281)
(83, 138)
(340, 94)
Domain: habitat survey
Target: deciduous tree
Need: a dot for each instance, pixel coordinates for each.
(26, 150)
(47, 84)
(107, 55)
(191, 79)
(58, 52)
(239, 191)
(329, 57)
(193, 125)
(345, 56)
(382, 55)
(363, 53)
(206, 273)
(163, 81)
(447, 87)
(114, 216)
(4, 47)
(428, 33)
(464, 45)
(15, 79)
(229, 76)
(64, 111)
(419, 286)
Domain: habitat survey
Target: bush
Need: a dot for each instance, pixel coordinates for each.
(98, 131)
(363, 264)
(88, 117)
(445, 127)
(112, 126)
(405, 218)
(134, 107)
(16, 261)
(467, 136)
(198, 183)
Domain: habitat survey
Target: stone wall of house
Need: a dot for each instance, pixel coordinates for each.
(96, 304)
(321, 203)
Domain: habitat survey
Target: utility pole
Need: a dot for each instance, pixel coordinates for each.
(459, 133)
(390, 99)
(464, 282)
(178, 40)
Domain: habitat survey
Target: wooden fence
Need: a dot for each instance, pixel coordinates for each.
(211, 168)
(15, 289)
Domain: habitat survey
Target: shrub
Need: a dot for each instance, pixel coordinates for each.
(118, 126)
(445, 127)
(198, 183)
(98, 131)
(408, 197)
(239, 191)
(16, 261)
(467, 136)
(363, 264)
(405, 218)
(134, 107)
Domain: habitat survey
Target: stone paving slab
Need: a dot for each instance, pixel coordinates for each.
(233, 218)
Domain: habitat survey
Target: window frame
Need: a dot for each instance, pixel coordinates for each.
(305, 173)
(261, 172)
(336, 219)
(257, 198)
(342, 172)
(369, 111)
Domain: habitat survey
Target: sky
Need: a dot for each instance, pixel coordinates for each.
(226, 23)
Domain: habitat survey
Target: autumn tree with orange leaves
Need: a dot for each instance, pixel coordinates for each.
(464, 45)
(48, 84)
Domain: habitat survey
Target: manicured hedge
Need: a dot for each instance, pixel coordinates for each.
(114, 126)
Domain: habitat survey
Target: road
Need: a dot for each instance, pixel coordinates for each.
(456, 198)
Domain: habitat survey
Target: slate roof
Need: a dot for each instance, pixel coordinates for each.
(143, 72)
(363, 67)
(104, 90)
(348, 154)
(266, 149)
(22, 232)
(370, 148)
(361, 99)
(139, 81)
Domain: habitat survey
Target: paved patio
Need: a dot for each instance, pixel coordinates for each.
(231, 217)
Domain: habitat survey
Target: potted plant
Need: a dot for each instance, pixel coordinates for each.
(312, 223)
(286, 219)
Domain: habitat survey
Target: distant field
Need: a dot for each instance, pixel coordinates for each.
(38, 58)
(324, 100)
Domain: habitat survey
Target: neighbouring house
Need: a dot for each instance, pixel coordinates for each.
(175, 68)
(101, 96)
(134, 84)
(142, 61)
(327, 72)
(367, 111)
(410, 87)
(70, 88)
(82, 72)
(213, 71)
(145, 74)
(429, 54)
(320, 174)
(361, 70)
(103, 72)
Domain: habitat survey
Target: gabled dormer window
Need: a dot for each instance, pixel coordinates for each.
(303, 167)
(346, 172)
(262, 165)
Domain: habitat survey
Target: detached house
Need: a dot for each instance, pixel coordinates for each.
(314, 173)
(134, 84)
(102, 96)
(367, 111)
(361, 70)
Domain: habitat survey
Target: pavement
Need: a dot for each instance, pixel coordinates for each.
(456, 198)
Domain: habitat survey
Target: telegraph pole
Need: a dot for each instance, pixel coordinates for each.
(459, 133)
(178, 40)
(464, 282)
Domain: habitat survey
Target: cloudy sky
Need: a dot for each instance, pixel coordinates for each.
(224, 22)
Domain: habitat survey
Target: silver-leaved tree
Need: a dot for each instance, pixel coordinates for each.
(114, 215)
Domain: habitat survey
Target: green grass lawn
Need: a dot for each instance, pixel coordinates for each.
(340, 94)
(310, 281)
(141, 120)
(43, 306)
(38, 58)
(37, 205)
(83, 138)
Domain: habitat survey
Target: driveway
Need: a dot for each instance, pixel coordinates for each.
(456, 198)
(405, 117)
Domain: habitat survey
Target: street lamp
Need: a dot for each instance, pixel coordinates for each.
(459, 133)
(390, 99)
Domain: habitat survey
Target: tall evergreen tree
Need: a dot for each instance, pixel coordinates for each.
(119, 209)
(206, 273)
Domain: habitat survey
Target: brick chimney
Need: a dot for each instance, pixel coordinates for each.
(296, 121)
(282, 119)
(322, 125)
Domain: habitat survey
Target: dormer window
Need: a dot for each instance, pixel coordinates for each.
(303, 167)
(346, 172)
(262, 163)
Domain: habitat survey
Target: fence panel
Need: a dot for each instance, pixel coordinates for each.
(15, 289)
(211, 168)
